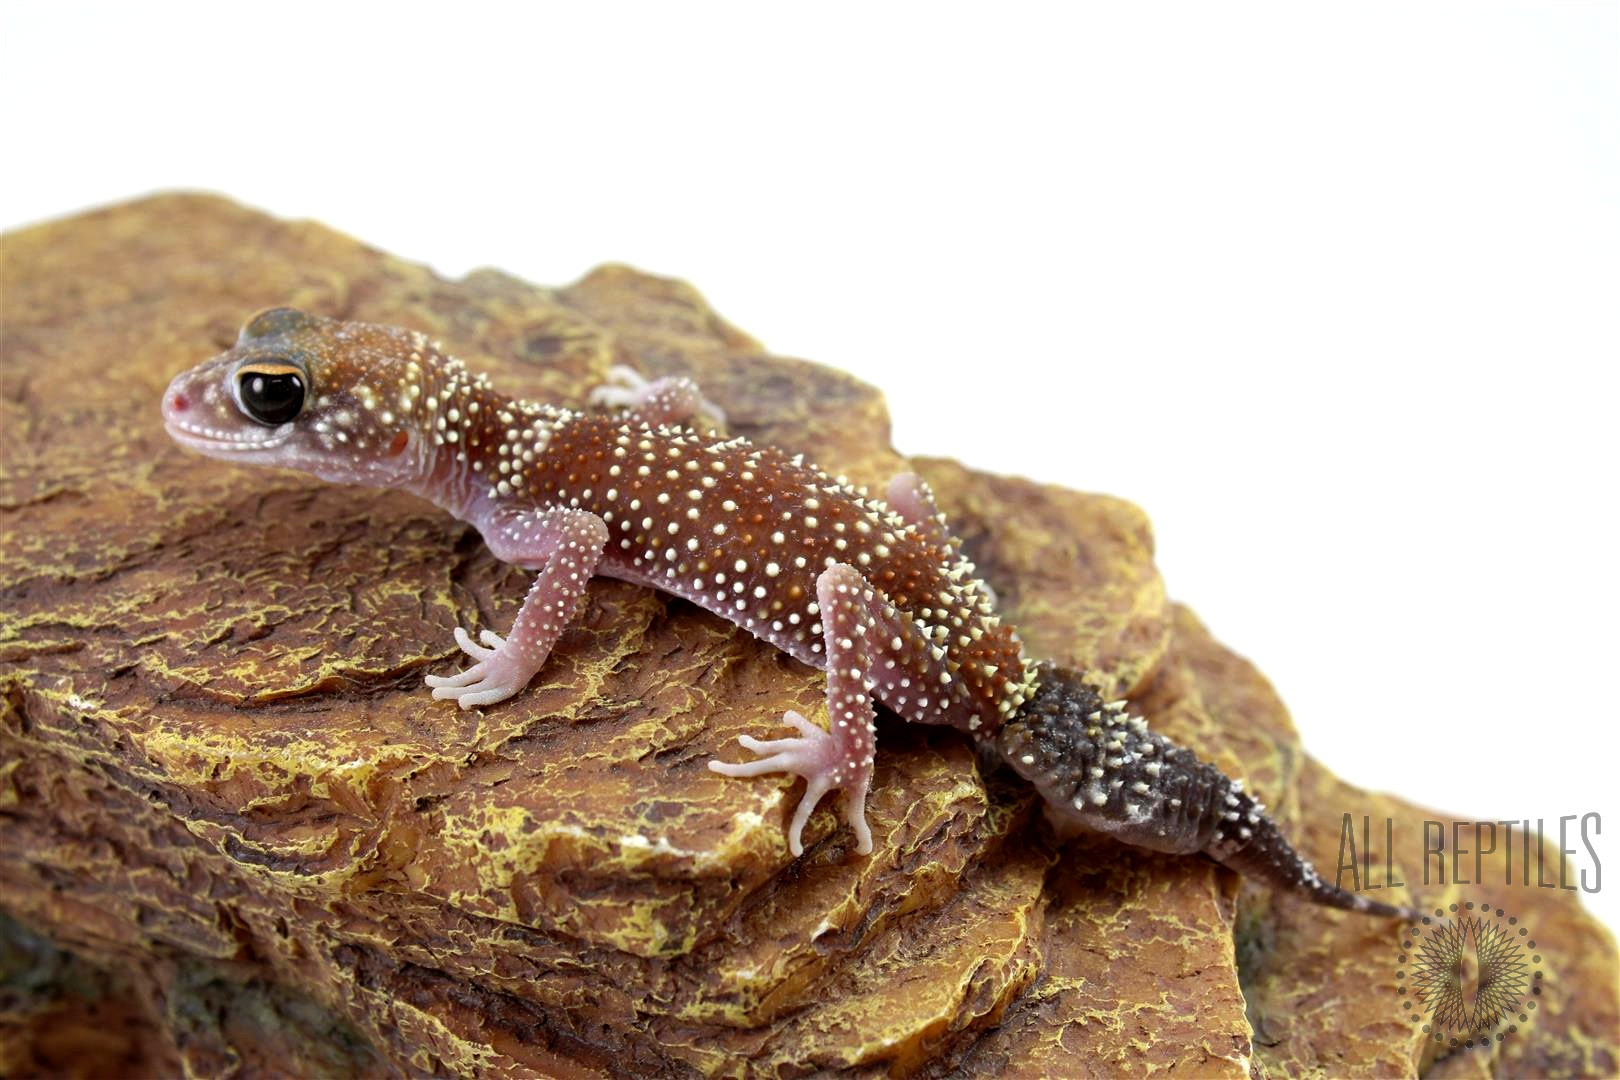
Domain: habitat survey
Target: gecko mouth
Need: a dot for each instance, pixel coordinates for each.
(211, 439)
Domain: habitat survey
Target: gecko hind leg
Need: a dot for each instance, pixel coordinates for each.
(864, 637)
(910, 496)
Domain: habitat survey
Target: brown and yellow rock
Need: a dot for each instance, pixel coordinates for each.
(256, 846)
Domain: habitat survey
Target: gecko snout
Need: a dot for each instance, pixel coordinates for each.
(179, 398)
(175, 401)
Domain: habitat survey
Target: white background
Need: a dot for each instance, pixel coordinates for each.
(1331, 291)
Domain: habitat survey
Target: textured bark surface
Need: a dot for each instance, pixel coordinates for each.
(239, 837)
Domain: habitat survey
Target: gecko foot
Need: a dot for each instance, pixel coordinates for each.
(501, 671)
(671, 399)
(813, 756)
(623, 389)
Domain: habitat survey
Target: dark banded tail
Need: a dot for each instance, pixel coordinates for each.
(1100, 769)
(1261, 852)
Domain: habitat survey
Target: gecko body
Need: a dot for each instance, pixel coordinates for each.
(874, 591)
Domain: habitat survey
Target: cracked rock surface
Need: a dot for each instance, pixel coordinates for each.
(237, 836)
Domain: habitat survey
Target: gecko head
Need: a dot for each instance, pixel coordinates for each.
(300, 391)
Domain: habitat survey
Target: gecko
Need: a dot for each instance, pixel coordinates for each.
(874, 591)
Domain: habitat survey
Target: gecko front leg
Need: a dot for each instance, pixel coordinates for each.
(672, 399)
(565, 545)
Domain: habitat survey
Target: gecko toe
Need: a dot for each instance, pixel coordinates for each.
(854, 802)
(815, 788)
(471, 648)
(626, 376)
(486, 697)
(759, 767)
(767, 746)
(448, 692)
(459, 679)
(805, 727)
(621, 388)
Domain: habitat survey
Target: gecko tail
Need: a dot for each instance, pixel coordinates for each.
(1253, 845)
(1101, 770)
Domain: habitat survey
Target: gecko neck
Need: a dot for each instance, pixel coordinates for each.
(475, 444)
(448, 481)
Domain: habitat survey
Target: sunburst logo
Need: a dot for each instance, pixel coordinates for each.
(1468, 976)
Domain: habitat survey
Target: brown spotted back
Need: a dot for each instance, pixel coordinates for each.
(744, 531)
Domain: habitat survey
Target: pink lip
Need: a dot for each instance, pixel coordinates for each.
(177, 406)
(203, 439)
(185, 426)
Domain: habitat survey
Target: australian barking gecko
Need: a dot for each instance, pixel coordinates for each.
(875, 592)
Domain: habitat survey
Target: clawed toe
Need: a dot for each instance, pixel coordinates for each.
(805, 727)
(854, 802)
(485, 697)
(610, 397)
(471, 648)
(620, 389)
(459, 679)
(765, 746)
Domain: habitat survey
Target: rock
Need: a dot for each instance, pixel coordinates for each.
(240, 838)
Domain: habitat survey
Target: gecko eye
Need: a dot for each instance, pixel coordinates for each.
(271, 393)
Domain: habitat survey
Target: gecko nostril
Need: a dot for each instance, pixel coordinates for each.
(179, 402)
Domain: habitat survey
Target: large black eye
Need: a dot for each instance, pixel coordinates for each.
(271, 393)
